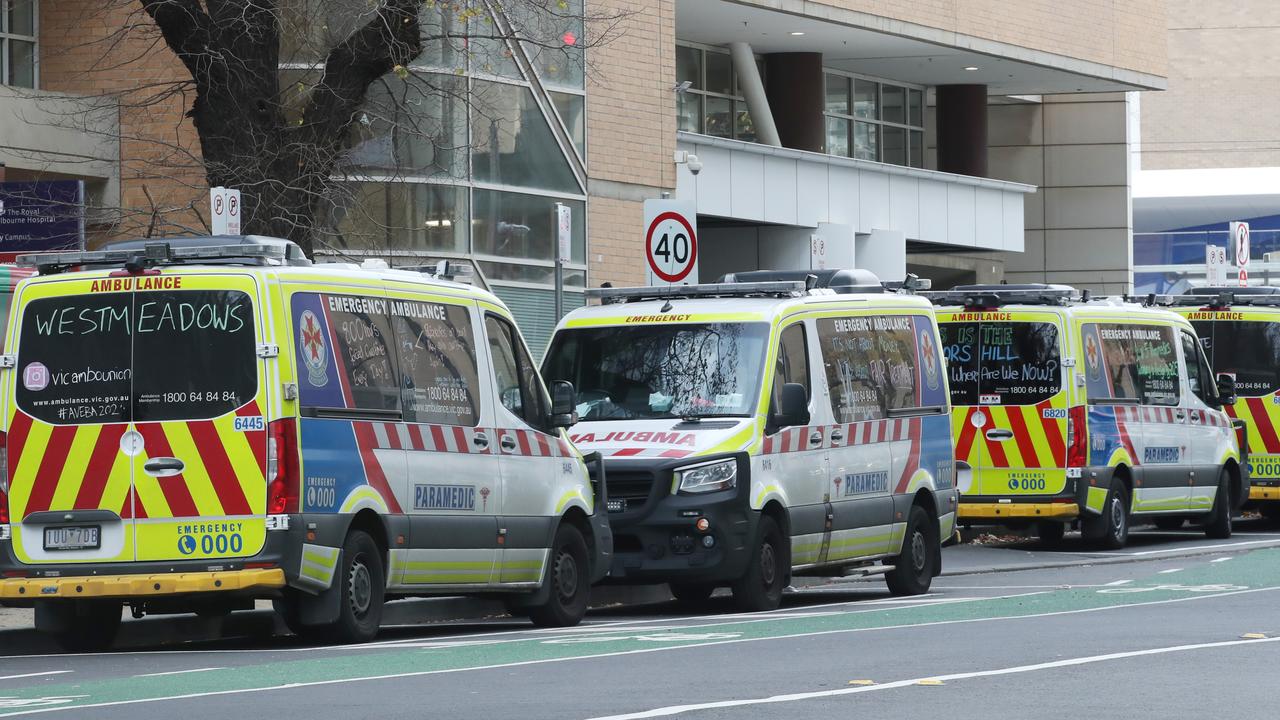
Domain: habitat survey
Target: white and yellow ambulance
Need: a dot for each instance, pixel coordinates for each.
(191, 424)
(1240, 330)
(765, 426)
(1097, 411)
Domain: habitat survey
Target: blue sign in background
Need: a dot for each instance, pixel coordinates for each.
(41, 215)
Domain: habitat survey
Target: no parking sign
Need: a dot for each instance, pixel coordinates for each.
(670, 242)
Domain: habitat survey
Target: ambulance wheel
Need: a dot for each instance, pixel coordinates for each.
(1110, 530)
(1050, 532)
(570, 582)
(1169, 523)
(760, 587)
(80, 625)
(912, 572)
(692, 595)
(362, 588)
(1218, 524)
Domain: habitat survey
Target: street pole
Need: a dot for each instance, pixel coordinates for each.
(556, 215)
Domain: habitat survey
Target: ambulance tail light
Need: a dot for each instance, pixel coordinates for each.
(4, 478)
(1076, 437)
(284, 481)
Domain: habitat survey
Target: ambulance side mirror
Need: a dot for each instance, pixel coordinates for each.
(1226, 390)
(563, 404)
(793, 407)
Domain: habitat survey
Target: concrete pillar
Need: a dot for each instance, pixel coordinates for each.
(798, 90)
(962, 129)
(744, 65)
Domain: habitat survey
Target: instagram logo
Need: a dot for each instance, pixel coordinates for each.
(35, 377)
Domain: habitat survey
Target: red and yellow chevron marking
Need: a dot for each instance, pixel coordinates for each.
(1262, 418)
(1038, 442)
(965, 433)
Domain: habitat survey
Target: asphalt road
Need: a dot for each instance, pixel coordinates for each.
(1191, 627)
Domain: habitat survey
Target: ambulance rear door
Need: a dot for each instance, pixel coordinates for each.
(1009, 370)
(137, 428)
(199, 408)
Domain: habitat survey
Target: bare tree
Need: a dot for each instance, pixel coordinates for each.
(282, 94)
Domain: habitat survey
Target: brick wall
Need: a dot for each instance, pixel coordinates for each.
(617, 253)
(109, 47)
(1221, 107)
(631, 132)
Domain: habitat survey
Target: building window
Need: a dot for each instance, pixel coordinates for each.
(874, 120)
(18, 57)
(713, 104)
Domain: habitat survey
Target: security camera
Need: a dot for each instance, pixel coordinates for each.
(695, 165)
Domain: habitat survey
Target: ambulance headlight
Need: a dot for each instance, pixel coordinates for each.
(721, 475)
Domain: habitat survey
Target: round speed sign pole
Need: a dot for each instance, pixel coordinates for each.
(671, 247)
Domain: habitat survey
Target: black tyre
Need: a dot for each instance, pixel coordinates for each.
(1169, 523)
(692, 595)
(1111, 529)
(80, 625)
(912, 572)
(1050, 532)
(1218, 524)
(362, 586)
(570, 579)
(760, 587)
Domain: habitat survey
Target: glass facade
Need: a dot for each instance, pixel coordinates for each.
(713, 103)
(874, 120)
(457, 154)
(19, 56)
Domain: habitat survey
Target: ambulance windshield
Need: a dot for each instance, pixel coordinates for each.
(120, 357)
(1001, 363)
(1250, 350)
(661, 371)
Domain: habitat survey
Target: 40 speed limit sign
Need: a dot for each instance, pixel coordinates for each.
(670, 242)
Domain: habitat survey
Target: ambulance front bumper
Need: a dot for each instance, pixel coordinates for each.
(660, 541)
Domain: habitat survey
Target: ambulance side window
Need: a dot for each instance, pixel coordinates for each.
(346, 354)
(793, 362)
(1135, 362)
(1198, 375)
(439, 380)
(870, 363)
(519, 389)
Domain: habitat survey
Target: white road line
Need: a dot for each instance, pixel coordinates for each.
(643, 651)
(180, 672)
(1117, 582)
(1202, 547)
(1220, 559)
(798, 697)
(1022, 587)
(36, 674)
(1170, 570)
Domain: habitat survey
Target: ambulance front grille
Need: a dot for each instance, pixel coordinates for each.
(628, 490)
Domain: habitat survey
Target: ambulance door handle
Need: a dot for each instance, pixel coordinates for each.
(999, 434)
(1180, 415)
(163, 467)
(837, 436)
(815, 438)
(508, 443)
(480, 440)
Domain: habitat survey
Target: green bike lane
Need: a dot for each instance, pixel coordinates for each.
(1257, 572)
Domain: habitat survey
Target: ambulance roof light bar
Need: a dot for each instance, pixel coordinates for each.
(1224, 297)
(137, 254)
(995, 296)
(610, 295)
